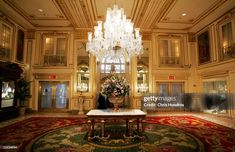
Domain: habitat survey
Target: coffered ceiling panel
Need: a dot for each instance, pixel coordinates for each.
(192, 9)
(183, 14)
(39, 13)
(149, 15)
(101, 6)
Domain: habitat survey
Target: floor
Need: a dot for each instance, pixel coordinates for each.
(222, 120)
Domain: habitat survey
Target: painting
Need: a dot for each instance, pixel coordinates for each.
(203, 48)
(20, 46)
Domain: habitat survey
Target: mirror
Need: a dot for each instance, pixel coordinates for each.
(82, 68)
(143, 70)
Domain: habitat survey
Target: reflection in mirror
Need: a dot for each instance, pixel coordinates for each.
(215, 96)
(143, 71)
(8, 89)
(82, 68)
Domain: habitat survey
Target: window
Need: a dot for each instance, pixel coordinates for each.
(119, 64)
(227, 41)
(169, 50)
(5, 41)
(55, 50)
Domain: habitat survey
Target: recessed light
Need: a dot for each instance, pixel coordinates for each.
(184, 14)
(40, 10)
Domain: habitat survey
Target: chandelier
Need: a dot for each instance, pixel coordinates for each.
(116, 37)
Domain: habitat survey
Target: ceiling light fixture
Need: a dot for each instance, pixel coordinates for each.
(184, 14)
(115, 37)
(40, 10)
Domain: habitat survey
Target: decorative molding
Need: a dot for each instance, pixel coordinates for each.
(167, 4)
(191, 37)
(30, 35)
(214, 74)
(66, 11)
(81, 34)
(146, 36)
(63, 76)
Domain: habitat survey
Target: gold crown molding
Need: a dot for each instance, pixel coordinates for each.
(6, 19)
(21, 12)
(30, 35)
(134, 10)
(167, 4)
(209, 11)
(151, 12)
(227, 16)
(86, 12)
(66, 12)
(27, 16)
(133, 13)
(142, 12)
(76, 14)
(191, 37)
(199, 18)
(214, 74)
(146, 36)
(81, 34)
(94, 9)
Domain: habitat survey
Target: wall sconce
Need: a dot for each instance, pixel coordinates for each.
(142, 87)
(82, 87)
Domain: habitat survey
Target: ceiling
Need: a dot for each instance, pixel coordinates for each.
(146, 14)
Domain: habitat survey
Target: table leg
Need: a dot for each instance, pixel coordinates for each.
(92, 127)
(102, 128)
(138, 125)
(143, 125)
(127, 127)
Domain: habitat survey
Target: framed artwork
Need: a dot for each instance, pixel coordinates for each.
(20, 46)
(203, 48)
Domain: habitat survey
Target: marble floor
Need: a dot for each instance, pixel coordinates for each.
(222, 120)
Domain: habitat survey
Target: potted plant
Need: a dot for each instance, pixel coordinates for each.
(23, 94)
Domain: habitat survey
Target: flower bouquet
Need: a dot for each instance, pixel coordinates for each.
(115, 88)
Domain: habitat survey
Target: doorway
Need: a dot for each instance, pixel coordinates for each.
(53, 96)
(171, 89)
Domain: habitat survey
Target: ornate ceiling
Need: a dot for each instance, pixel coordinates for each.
(147, 14)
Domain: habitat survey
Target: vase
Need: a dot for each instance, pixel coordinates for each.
(116, 101)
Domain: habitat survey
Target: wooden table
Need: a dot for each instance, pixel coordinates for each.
(102, 116)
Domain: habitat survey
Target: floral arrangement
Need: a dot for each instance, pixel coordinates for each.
(114, 86)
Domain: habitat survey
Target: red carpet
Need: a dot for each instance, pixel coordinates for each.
(215, 137)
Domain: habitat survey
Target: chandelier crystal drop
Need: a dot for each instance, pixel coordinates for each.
(116, 37)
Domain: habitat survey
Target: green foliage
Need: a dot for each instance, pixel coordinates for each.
(23, 91)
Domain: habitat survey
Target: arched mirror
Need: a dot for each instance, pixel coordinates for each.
(82, 68)
(143, 70)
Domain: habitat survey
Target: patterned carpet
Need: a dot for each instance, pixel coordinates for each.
(162, 134)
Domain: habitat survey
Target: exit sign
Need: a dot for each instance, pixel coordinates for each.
(52, 76)
(171, 77)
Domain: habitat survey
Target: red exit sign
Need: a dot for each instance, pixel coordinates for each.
(171, 77)
(52, 76)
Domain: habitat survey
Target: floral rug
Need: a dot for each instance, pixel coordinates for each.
(162, 134)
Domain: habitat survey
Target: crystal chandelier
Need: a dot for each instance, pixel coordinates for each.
(116, 37)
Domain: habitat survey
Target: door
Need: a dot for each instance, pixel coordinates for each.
(170, 89)
(53, 96)
(167, 89)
